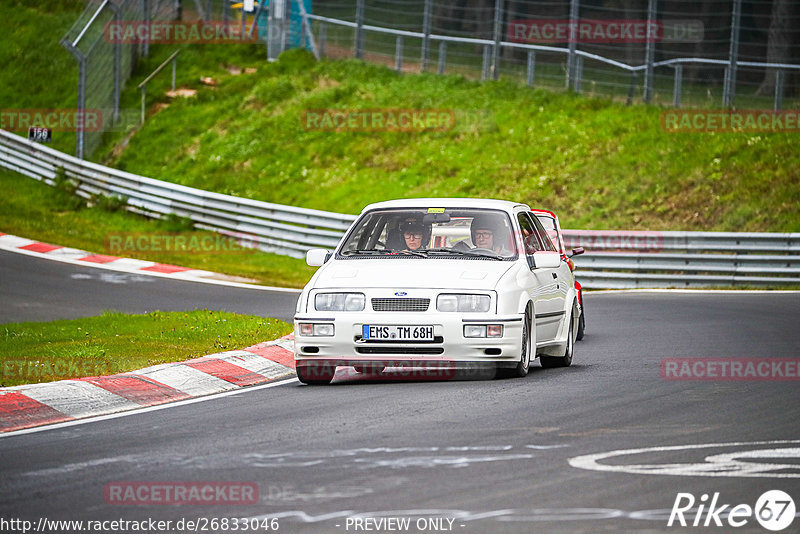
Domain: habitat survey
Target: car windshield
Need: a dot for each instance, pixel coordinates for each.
(432, 233)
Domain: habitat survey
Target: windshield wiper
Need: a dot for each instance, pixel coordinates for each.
(467, 253)
(412, 253)
(449, 251)
(361, 251)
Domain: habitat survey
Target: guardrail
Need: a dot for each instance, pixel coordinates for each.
(614, 259)
(271, 227)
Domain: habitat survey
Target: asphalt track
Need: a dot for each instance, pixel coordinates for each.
(493, 455)
(40, 289)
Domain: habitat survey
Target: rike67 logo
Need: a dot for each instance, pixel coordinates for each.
(774, 510)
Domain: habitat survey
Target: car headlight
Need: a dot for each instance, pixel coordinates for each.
(463, 303)
(339, 301)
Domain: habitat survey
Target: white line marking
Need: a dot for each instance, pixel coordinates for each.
(146, 409)
(720, 465)
(110, 267)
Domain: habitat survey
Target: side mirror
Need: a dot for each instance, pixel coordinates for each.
(317, 256)
(577, 251)
(546, 259)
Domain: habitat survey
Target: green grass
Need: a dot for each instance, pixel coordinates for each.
(596, 162)
(37, 211)
(117, 342)
(38, 73)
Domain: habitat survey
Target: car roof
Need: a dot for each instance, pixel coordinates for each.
(485, 203)
(545, 212)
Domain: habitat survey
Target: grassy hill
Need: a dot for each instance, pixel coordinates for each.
(38, 73)
(597, 163)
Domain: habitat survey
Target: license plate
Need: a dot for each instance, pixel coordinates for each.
(397, 333)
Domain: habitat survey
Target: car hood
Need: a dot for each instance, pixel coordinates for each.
(422, 273)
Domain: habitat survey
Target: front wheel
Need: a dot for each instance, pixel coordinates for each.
(566, 359)
(316, 374)
(525, 353)
(581, 328)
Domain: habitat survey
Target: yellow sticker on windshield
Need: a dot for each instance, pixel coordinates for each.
(435, 210)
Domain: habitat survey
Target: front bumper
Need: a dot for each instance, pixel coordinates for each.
(346, 347)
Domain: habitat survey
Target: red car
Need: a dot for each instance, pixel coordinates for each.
(550, 222)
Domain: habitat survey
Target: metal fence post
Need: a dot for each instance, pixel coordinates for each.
(498, 37)
(426, 34)
(323, 31)
(398, 54)
(178, 9)
(117, 63)
(778, 91)
(677, 86)
(146, 19)
(485, 66)
(650, 52)
(729, 88)
(631, 88)
(574, 7)
(81, 59)
(144, 97)
(359, 29)
(442, 56)
(287, 11)
(578, 73)
(531, 71)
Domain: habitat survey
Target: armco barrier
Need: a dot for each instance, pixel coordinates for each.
(614, 259)
(274, 227)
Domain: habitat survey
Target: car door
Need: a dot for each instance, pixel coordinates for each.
(544, 283)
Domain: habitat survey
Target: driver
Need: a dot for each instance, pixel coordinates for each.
(414, 234)
(488, 233)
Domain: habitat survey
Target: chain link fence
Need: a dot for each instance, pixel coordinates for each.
(736, 53)
(103, 65)
(106, 59)
(669, 52)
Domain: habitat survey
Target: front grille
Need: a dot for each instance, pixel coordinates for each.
(399, 350)
(401, 305)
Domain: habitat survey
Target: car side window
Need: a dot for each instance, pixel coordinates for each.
(547, 244)
(529, 238)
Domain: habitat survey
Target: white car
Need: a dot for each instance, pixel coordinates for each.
(439, 282)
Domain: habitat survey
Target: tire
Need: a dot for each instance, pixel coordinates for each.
(524, 364)
(581, 328)
(566, 359)
(315, 374)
